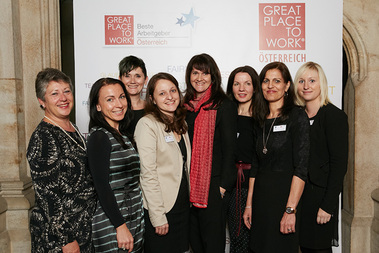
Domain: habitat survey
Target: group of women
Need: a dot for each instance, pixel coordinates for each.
(167, 173)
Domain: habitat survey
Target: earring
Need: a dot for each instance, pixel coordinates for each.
(286, 94)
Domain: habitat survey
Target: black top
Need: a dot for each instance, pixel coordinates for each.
(329, 153)
(224, 142)
(288, 145)
(137, 115)
(245, 144)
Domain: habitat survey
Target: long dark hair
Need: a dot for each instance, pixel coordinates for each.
(177, 124)
(254, 78)
(289, 99)
(206, 64)
(97, 118)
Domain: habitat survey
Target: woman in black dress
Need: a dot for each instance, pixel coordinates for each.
(65, 197)
(242, 84)
(212, 128)
(132, 72)
(280, 164)
(164, 147)
(118, 223)
(328, 161)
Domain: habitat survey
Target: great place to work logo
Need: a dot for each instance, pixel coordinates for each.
(282, 26)
(119, 29)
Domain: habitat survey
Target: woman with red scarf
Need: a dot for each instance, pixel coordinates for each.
(212, 128)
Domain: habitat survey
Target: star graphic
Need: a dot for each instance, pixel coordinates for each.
(190, 18)
(180, 21)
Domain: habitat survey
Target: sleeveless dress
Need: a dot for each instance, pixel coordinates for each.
(124, 170)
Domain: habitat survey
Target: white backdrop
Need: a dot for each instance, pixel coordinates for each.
(167, 33)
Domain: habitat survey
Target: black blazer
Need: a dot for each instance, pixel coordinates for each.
(328, 153)
(224, 143)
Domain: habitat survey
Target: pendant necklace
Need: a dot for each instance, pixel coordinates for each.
(76, 130)
(268, 135)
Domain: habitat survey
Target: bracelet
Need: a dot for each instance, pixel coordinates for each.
(247, 207)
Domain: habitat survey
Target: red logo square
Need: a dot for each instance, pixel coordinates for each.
(282, 26)
(119, 29)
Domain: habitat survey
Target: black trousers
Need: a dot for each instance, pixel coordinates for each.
(208, 225)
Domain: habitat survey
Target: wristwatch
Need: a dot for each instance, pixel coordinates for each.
(290, 210)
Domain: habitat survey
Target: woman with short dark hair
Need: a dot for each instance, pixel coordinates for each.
(65, 197)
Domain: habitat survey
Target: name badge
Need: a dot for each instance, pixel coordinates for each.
(280, 128)
(311, 122)
(169, 138)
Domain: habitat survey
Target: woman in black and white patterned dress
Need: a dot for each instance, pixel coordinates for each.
(65, 198)
(118, 223)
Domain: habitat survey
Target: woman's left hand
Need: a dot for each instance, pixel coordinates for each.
(72, 247)
(287, 224)
(323, 217)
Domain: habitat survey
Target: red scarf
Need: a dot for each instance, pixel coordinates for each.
(202, 150)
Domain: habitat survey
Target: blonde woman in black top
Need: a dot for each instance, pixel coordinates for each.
(328, 161)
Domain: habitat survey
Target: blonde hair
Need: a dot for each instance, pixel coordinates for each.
(324, 99)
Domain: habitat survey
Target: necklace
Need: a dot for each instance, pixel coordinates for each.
(268, 135)
(76, 130)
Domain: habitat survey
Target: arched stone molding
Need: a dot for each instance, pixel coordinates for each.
(355, 51)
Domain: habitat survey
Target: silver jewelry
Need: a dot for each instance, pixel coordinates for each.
(268, 135)
(76, 130)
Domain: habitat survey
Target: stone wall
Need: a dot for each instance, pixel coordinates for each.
(361, 38)
(29, 32)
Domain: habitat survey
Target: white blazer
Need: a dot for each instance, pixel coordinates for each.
(161, 167)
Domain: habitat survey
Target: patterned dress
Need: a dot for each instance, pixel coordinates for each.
(65, 198)
(119, 196)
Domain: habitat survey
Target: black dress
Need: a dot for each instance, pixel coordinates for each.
(177, 238)
(65, 197)
(238, 232)
(287, 156)
(328, 165)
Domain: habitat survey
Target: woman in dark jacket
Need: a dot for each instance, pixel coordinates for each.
(328, 161)
(212, 128)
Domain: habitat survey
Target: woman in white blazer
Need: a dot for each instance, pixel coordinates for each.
(164, 148)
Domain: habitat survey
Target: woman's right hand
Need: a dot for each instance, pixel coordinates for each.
(72, 247)
(124, 238)
(247, 217)
(162, 230)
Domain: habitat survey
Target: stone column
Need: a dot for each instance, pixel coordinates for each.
(29, 32)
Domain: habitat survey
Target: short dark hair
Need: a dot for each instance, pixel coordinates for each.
(254, 78)
(47, 75)
(97, 118)
(289, 99)
(178, 123)
(206, 64)
(130, 63)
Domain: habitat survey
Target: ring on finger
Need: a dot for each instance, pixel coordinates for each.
(123, 248)
(289, 229)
